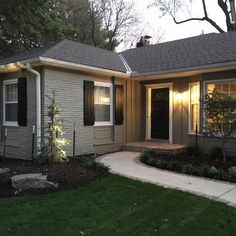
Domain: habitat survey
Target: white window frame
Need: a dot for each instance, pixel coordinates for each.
(219, 81)
(106, 123)
(190, 131)
(8, 123)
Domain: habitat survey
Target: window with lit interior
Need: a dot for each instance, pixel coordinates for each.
(103, 103)
(194, 107)
(228, 88)
(10, 102)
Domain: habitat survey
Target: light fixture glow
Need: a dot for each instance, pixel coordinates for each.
(179, 96)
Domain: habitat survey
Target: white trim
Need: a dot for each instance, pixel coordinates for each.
(85, 68)
(149, 88)
(205, 82)
(187, 71)
(189, 108)
(129, 71)
(204, 90)
(8, 123)
(106, 123)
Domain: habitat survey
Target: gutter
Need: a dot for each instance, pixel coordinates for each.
(38, 102)
(195, 69)
(85, 68)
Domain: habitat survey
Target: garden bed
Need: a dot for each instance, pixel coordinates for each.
(71, 175)
(202, 165)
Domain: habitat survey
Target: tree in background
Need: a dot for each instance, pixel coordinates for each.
(220, 113)
(173, 7)
(52, 150)
(26, 24)
(118, 17)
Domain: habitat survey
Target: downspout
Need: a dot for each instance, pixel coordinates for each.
(38, 102)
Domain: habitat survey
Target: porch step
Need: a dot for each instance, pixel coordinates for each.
(158, 148)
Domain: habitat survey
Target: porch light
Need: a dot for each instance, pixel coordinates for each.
(179, 96)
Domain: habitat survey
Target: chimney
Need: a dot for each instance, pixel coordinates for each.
(144, 41)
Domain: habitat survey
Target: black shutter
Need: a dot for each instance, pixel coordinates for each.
(22, 101)
(119, 104)
(89, 117)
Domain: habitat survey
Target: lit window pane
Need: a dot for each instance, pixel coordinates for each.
(218, 87)
(102, 113)
(210, 87)
(102, 95)
(233, 87)
(233, 95)
(194, 105)
(225, 88)
(11, 93)
(102, 104)
(194, 116)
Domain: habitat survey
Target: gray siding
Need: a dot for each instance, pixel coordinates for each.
(19, 139)
(181, 112)
(68, 86)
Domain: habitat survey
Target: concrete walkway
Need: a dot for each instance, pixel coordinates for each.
(128, 164)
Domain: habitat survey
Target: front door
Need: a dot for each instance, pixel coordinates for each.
(160, 113)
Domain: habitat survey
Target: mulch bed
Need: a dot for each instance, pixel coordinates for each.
(204, 160)
(71, 175)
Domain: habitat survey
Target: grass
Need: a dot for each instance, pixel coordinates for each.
(116, 206)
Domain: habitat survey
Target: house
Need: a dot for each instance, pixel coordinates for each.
(111, 99)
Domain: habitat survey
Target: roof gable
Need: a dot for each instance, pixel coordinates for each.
(184, 53)
(75, 52)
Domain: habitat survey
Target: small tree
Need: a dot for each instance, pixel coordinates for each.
(52, 150)
(220, 122)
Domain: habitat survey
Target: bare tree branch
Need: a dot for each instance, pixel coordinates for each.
(172, 6)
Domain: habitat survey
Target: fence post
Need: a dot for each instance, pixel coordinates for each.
(196, 133)
(74, 141)
(4, 145)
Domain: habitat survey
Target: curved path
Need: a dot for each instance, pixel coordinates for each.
(128, 164)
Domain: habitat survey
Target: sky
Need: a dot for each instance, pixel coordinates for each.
(155, 24)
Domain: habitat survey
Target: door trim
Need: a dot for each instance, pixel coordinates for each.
(149, 88)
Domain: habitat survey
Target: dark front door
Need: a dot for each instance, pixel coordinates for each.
(160, 113)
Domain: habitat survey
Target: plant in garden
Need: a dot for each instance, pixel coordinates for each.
(52, 149)
(220, 113)
(192, 149)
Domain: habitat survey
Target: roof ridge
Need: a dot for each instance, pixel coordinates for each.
(90, 46)
(171, 41)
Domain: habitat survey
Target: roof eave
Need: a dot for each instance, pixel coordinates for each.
(80, 67)
(184, 71)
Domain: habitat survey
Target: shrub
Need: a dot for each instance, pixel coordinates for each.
(188, 169)
(52, 150)
(148, 157)
(89, 162)
(176, 166)
(192, 150)
(205, 170)
(216, 153)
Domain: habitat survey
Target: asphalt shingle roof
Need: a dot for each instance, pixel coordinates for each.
(184, 53)
(75, 52)
(180, 54)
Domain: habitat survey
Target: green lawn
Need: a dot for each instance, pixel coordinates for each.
(116, 206)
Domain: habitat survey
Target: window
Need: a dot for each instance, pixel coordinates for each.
(103, 103)
(194, 107)
(228, 88)
(10, 102)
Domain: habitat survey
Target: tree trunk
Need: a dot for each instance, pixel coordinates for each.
(233, 13)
